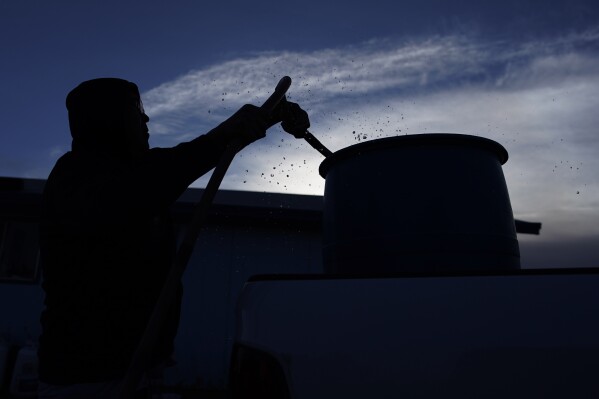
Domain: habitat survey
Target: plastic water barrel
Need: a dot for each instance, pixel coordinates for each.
(419, 204)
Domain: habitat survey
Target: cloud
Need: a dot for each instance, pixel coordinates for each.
(579, 252)
(374, 67)
(538, 99)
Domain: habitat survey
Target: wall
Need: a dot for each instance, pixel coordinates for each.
(245, 234)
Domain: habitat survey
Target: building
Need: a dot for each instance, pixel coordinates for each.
(245, 234)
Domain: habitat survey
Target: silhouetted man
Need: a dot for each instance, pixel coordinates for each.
(107, 242)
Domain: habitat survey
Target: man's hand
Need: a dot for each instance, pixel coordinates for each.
(244, 127)
(294, 120)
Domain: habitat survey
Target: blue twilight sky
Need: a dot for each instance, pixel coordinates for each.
(524, 73)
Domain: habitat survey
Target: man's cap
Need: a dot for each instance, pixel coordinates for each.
(102, 93)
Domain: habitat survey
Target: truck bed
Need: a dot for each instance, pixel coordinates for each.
(526, 333)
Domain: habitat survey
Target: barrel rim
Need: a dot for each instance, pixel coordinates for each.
(413, 139)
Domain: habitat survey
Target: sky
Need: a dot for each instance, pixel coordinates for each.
(523, 73)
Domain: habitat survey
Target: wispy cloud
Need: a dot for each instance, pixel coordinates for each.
(322, 77)
(538, 99)
(375, 67)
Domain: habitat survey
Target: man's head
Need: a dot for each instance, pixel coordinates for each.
(107, 115)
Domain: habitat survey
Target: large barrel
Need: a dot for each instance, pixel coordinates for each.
(418, 203)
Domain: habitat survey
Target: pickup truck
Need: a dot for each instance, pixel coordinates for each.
(518, 334)
(422, 294)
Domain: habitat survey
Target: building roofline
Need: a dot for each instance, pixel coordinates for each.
(20, 199)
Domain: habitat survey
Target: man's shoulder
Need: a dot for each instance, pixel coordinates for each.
(74, 172)
(89, 164)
